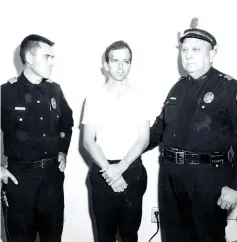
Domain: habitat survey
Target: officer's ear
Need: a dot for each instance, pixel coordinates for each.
(29, 57)
(213, 52)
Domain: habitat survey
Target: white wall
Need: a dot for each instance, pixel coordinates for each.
(82, 30)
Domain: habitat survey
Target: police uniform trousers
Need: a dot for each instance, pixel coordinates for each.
(122, 211)
(36, 204)
(188, 195)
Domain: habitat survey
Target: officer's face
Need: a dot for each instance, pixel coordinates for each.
(119, 64)
(197, 56)
(42, 60)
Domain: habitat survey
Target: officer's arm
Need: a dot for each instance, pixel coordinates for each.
(65, 123)
(233, 117)
(156, 132)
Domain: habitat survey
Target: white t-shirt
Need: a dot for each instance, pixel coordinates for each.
(117, 121)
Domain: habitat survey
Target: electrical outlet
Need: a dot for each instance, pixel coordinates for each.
(153, 217)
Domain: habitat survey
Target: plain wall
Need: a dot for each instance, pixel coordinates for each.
(82, 30)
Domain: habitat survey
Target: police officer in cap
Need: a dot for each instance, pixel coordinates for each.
(198, 126)
(37, 125)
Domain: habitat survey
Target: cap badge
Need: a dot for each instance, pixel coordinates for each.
(194, 23)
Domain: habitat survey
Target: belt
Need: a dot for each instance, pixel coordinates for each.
(186, 157)
(43, 163)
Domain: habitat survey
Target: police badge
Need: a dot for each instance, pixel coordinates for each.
(208, 97)
(53, 103)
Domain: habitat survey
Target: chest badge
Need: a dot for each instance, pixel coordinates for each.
(53, 103)
(208, 97)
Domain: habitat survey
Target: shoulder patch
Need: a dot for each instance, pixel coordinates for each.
(181, 78)
(12, 80)
(49, 80)
(228, 77)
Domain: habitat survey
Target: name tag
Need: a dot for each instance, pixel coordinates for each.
(173, 98)
(20, 108)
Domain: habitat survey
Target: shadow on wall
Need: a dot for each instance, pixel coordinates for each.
(19, 67)
(179, 63)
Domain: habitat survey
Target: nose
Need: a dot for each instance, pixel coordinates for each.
(188, 54)
(120, 65)
(51, 62)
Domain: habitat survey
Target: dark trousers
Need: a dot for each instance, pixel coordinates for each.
(188, 197)
(35, 204)
(122, 210)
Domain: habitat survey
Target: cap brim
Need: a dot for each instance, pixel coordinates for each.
(196, 36)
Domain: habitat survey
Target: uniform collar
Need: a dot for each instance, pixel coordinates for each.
(202, 79)
(26, 83)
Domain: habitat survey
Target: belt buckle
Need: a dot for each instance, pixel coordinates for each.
(179, 156)
(215, 161)
(42, 162)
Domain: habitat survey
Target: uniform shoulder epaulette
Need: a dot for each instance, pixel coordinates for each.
(12, 80)
(181, 78)
(228, 77)
(49, 80)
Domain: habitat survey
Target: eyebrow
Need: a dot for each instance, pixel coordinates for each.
(49, 55)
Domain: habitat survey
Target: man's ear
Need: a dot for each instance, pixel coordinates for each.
(106, 66)
(213, 53)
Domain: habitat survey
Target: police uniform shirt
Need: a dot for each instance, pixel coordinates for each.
(35, 119)
(199, 115)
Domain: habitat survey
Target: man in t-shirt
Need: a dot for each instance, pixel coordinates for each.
(116, 131)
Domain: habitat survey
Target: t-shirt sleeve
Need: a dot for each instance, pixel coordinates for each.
(90, 114)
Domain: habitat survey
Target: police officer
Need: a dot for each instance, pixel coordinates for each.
(37, 126)
(198, 126)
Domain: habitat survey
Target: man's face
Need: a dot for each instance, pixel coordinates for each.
(42, 60)
(119, 64)
(196, 56)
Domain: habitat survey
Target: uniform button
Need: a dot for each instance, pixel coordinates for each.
(203, 106)
(217, 165)
(41, 118)
(44, 135)
(38, 101)
(20, 119)
(174, 134)
(45, 153)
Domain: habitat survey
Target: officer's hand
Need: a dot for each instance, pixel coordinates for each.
(62, 160)
(120, 185)
(5, 174)
(112, 173)
(228, 198)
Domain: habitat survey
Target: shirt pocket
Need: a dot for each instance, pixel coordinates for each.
(171, 110)
(54, 119)
(20, 119)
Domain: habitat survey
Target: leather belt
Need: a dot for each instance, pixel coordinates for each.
(43, 163)
(186, 157)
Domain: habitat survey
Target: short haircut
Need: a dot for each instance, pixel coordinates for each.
(117, 45)
(31, 42)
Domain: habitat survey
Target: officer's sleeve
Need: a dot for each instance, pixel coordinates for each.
(233, 119)
(157, 128)
(3, 122)
(65, 123)
(156, 131)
